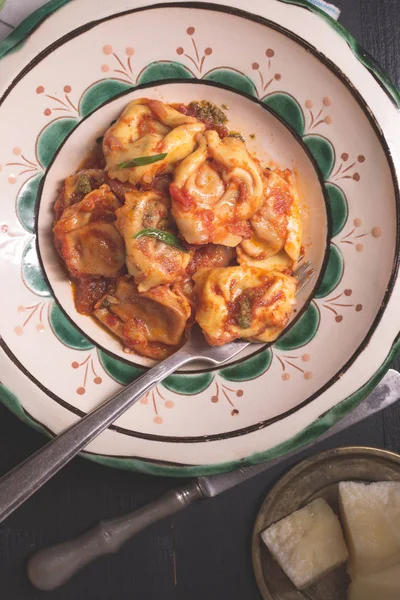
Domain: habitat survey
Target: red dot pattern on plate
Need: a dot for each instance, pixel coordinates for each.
(12, 179)
(348, 292)
(19, 331)
(286, 377)
(47, 112)
(305, 357)
(328, 120)
(345, 156)
(190, 30)
(80, 391)
(158, 420)
(98, 380)
(308, 375)
(144, 400)
(278, 77)
(40, 89)
(356, 177)
(130, 51)
(309, 104)
(377, 232)
(359, 308)
(214, 399)
(327, 101)
(17, 151)
(361, 158)
(255, 66)
(270, 53)
(338, 318)
(105, 68)
(169, 404)
(208, 51)
(40, 328)
(67, 89)
(360, 247)
(107, 49)
(357, 222)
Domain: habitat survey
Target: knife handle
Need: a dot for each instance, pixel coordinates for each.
(51, 567)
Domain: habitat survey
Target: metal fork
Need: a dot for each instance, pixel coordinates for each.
(25, 479)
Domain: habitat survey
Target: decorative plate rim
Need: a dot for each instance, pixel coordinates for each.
(292, 132)
(332, 415)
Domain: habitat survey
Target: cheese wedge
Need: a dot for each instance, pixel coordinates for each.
(384, 585)
(371, 518)
(307, 544)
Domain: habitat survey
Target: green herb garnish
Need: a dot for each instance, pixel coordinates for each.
(206, 111)
(140, 161)
(162, 236)
(237, 134)
(84, 186)
(244, 313)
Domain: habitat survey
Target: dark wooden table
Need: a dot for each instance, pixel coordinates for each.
(211, 541)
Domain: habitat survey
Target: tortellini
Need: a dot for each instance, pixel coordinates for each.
(170, 220)
(150, 323)
(276, 239)
(150, 261)
(216, 189)
(87, 239)
(148, 127)
(243, 302)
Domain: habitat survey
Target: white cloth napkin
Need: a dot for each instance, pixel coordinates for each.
(12, 12)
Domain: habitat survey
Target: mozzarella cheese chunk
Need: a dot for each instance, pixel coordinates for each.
(384, 585)
(145, 128)
(307, 544)
(215, 190)
(243, 302)
(371, 517)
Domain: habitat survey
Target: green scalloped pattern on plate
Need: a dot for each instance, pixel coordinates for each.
(188, 385)
(322, 151)
(66, 332)
(333, 273)
(51, 138)
(10, 401)
(26, 202)
(164, 69)
(120, 371)
(99, 93)
(249, 368)
(233, 79)
(287, 107)
(302, 332)
(338, 207)
(31, 270)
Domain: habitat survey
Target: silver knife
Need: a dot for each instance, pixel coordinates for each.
(51, 567)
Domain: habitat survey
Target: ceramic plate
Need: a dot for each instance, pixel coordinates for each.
(316, 477)
(300, 83)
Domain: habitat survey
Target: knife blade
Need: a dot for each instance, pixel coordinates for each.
(51, 567)
(385, 394)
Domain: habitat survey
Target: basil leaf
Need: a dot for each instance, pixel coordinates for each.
(141, 161)
(162, 236)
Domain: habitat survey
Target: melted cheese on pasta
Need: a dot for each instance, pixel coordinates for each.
(215, 190)
(243, 302)
(148, 127)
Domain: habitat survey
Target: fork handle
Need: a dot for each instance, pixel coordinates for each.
(25, 479)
